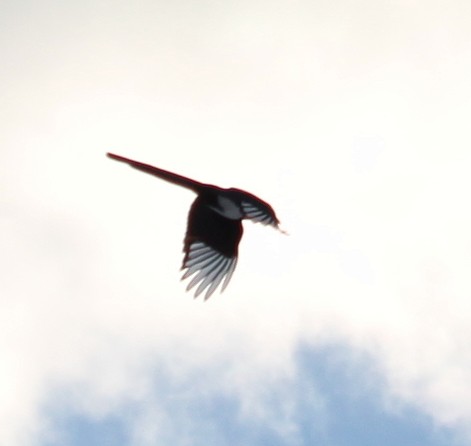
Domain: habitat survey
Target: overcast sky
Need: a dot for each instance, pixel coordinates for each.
(350, 118)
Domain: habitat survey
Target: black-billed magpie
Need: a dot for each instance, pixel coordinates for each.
(214, 227)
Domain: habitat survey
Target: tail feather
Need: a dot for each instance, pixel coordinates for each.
(160, 173)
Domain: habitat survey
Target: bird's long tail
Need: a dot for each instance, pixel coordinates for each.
(160, 173)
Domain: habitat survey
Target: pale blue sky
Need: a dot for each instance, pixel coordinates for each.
(349, 118)
(349, 415)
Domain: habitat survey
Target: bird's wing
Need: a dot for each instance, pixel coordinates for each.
(209, 268)
(256, 209)
(210, 247)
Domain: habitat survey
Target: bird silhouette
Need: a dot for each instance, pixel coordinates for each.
(214, 227)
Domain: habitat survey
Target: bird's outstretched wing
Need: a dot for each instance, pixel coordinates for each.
(255, 209)
(210, 247)
(209, 268)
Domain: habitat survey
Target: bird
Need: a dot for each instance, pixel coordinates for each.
(214, 227)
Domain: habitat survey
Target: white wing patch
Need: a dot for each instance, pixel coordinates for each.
(258, 215)
(209, 267)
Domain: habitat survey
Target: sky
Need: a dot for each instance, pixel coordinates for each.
(349, 118)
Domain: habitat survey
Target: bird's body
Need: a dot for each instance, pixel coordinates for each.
(214, 227)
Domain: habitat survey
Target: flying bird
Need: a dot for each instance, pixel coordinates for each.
(214, 227)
